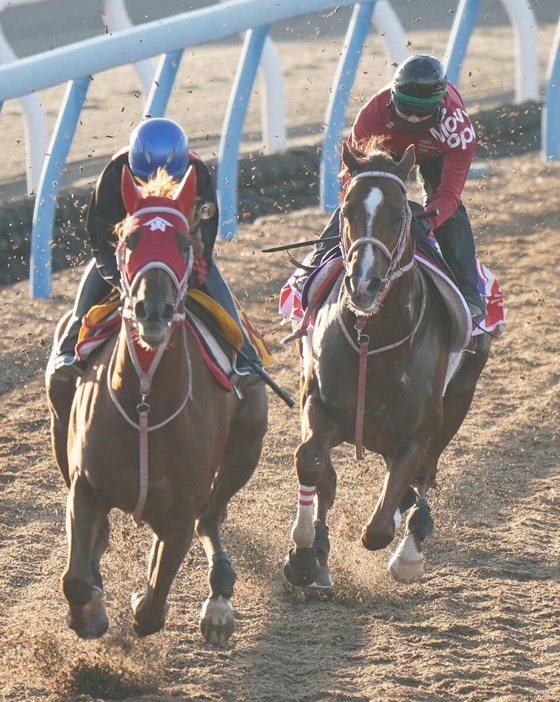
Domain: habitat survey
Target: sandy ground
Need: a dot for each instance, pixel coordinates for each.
(483, 624)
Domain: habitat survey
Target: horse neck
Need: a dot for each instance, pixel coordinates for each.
(169, 380)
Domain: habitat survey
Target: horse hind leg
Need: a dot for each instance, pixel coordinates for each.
(407, 563)
(240, 458)
(81, 582)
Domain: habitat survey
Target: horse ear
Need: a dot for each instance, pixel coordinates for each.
(348, 159)
(185, 194)
(407, 161)
(130, 191)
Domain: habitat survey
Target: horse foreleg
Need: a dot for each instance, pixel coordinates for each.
(88, 534)
(167, 554)
(307, 563)
(407, 563)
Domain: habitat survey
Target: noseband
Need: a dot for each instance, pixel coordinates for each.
(395, 269)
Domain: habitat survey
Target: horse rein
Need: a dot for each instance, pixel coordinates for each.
(394, 271)
(145, 377)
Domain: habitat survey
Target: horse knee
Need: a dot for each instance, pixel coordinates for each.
(308, 464)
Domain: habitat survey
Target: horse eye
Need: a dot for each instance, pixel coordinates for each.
(132, 239)
(183, 241)
(347, 214)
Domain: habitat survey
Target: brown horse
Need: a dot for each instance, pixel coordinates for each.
(375, 374)
(150, 430)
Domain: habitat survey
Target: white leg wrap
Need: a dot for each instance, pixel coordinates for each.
(303, 530)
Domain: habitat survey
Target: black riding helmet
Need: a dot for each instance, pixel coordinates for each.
(419, 85)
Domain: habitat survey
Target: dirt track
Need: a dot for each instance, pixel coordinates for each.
(484, 623)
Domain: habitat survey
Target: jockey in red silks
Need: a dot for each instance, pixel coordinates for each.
(154, 143)
(420, 107)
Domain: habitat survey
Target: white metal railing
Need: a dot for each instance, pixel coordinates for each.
(73, 64)
(116, 18)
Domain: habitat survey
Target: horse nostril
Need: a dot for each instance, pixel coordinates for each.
(350, 285)
(168, 313)
(140, 311)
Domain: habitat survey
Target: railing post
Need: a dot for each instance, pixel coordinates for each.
(228, 167)
(550, 121)
(49, 186)
(344, 79)
(35, 125)
(156, 104)
(525, 30)
(463, 25)
(117, 18)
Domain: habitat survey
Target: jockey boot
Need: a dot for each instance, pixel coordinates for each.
(219, 291)
(456, 241)
(327, 242)
(92, 289)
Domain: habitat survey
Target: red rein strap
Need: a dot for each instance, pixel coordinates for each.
(363, 341)
(394, 272)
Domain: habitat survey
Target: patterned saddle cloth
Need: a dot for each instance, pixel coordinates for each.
(204, 314)
(294, 303)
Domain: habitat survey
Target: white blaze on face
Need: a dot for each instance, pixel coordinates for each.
(372, 203)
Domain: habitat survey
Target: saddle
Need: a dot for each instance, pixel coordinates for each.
(218, 334)
(301, 307)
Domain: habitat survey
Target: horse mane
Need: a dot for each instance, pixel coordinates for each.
(369, 155)
(160, 185)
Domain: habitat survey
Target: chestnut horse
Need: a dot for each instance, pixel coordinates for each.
(374, 374)
(150, 430)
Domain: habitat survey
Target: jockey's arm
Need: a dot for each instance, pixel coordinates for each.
(207, 194)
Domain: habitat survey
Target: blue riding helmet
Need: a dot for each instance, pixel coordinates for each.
(158, 143)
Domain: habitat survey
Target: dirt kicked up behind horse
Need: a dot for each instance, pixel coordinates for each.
(378, 371)
(151, 431)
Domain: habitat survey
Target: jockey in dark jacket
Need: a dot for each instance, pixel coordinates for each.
(155, 143)
(419, 107)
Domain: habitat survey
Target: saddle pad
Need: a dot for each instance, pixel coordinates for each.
(104, 319)
(461, 325)
(292, 308)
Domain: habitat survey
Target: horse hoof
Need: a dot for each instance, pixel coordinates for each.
(301, 567)
(323, 581)
(88, 621)
(406, 572)
(216, 620)
(96, 625)
(407, 563)
(145, 622)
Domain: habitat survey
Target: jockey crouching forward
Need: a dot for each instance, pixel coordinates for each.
(155, 143)
(419, 107)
